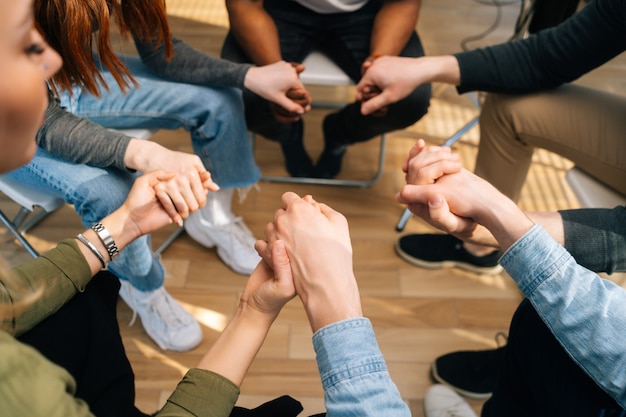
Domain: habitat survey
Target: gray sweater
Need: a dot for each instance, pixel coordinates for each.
(78, 140)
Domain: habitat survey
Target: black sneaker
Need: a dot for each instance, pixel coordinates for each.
(445, 251)
(473, 374)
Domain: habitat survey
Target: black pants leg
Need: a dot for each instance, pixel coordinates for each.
(540, 379)
(84, 338)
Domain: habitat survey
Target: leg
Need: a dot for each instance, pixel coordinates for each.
(539, 378)
(213, 116)
(296, 36)
(83, 338)
(96, 192)
(577, 123)
(348, 43)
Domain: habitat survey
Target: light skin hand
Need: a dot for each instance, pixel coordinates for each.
(426, 164)
(279, 83)
(317, 241)
(143, 212)
(396, 77)
(192, 180)
(268, 289)
(457, 203)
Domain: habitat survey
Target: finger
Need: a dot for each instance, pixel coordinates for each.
(431, 173)
(207, 181)
(375, 103)
(168, 205)
(288, 198)
(441, 216)
(280, 263)
(413, 152)
(263, 249)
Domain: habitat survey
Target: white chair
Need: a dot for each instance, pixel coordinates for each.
(321, 71)
(590, 192)
(36, 205)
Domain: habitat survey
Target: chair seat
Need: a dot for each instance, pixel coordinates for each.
(28, 197)
(320, 70)
(590, 192)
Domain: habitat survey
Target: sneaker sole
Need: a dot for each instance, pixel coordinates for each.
(489, 270)
(467, 394)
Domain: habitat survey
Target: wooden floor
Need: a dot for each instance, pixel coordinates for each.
(418, 314)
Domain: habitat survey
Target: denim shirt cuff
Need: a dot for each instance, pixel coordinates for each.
(347, 349)
(533, 259)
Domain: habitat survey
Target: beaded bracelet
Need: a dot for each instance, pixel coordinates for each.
(93, 249)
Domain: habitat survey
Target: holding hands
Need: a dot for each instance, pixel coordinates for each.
(457, 201)
(317, 241)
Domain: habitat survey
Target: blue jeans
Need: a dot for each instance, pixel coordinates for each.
(214, 118)
(345, 38)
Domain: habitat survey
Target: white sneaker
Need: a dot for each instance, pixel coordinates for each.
(166, 322)
(441, 401)
(234, 241)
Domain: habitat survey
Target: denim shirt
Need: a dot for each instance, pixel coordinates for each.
(353, 371)
(586, 313)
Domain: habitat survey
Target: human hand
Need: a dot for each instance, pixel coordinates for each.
(371, 91)
(271, 285)
(461, 203)
(187, 189)
(280, 84)
(387, 80)
(317, 241)
(426, 164)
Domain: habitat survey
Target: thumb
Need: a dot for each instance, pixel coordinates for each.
(156, 177)
(280, 262)
(375, 103)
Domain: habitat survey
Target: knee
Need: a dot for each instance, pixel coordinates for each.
(411, 109)
(100, 196)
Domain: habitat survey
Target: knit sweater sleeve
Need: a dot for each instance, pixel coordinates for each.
(78, 140)
(549, 57)
(596, 238)
(188, 65)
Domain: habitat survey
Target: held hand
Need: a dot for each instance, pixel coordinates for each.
(317, 241)
(188, 188)
(458, 203)
(372, 91)
(297, 95)
(426, 164)
(386, 81)
(279, 83)
(271, 285)
(143, 209)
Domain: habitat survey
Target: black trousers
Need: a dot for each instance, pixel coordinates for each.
(84, 338)
(540, 379)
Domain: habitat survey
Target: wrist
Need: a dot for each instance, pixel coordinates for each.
(326, 309)
(138, 155)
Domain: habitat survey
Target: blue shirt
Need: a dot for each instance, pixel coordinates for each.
(354, 374)
(586, 313)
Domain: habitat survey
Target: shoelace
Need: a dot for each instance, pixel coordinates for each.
(239, 231)
(159, 303)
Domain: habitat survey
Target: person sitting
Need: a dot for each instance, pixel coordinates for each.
(563, 356)
(352, 34)
(79, 160)
(32, 385)
(530, 104)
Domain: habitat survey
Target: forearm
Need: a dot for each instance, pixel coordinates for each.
(254, 30)
(191, 66)
(584, 312)
(53, 278)
(353, 372)
(80, 141)
(393, 26)
(233, 352)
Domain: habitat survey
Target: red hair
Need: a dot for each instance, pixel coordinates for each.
(73, 26)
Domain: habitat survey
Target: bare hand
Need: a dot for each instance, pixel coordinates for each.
(280, 84)
(317, 241)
